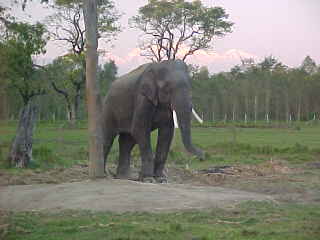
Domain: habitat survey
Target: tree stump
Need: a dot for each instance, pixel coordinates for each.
(20, 153)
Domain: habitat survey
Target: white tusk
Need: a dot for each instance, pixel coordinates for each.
(175, 120)
(197, 116)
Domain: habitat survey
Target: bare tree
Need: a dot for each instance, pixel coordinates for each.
(67, 25)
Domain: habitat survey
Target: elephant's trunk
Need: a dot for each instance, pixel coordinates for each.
(182, 106)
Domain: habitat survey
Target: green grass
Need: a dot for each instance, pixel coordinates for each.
(227, 146)
(276, 137)
(55, 145)
(250, 220)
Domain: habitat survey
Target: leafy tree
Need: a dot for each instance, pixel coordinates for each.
(3, 82)
(309, 65)
(66, 75)
(21, 43)
(106, 75)
(266, 68)
(67, 25)
(5, 20)
(178, 28)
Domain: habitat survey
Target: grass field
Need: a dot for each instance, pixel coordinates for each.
(56, 146)
(223, 145)
(250, 220)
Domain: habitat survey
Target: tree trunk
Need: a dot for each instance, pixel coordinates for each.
(3, 106)
(73, 116)
(96, 164)
(299, 109)
(20, 154)
(287, 106)
(68, 112)
(234, 112)
(255, 108)
(247, 105)
(267, 103)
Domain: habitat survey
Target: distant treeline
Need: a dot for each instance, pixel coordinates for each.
(253, 91)
(268, 91)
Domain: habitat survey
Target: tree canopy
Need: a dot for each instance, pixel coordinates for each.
(178, 28)
(66, 74)
(106, 75)
(22, 42)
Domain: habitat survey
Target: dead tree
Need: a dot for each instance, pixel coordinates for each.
(20, 153)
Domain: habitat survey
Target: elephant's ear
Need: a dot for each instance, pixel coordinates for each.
(149, 87)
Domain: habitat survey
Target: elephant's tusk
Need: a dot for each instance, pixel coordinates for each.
(197, 116)
(175, 120)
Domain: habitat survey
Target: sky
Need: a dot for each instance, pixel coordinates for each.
(287, 29)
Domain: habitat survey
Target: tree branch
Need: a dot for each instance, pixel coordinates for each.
(60, 91)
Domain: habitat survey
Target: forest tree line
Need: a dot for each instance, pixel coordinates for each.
(267, 91)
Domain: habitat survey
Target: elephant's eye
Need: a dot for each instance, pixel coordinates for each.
(165, 89)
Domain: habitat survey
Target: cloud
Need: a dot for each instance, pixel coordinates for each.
(217, 62)
(213, 60)
(207, 57)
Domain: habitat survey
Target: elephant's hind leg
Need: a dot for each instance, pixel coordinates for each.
(108, 141)
(126, 144)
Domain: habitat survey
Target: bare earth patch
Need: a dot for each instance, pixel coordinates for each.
(298, 184)
(53, 176)
(119, 196)
(59, 189)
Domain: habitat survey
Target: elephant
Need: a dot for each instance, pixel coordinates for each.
(138, 103)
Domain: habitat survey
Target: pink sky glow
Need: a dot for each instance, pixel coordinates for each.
(286, 29)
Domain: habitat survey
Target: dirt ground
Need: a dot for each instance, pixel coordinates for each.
(60, 189)
(119, 196)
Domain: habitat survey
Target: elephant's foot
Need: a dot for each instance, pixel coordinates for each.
(148, 180)
(160, 176)
(161, 179)
(122, 176)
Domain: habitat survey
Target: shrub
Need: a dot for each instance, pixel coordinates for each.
(177, 157)
(46, 157)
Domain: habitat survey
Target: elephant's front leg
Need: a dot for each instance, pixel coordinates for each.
(165, 136)
(141, 131)
(147, 162)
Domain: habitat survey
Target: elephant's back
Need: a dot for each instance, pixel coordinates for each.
(132, 76)
(127, 82)
(126, 85)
